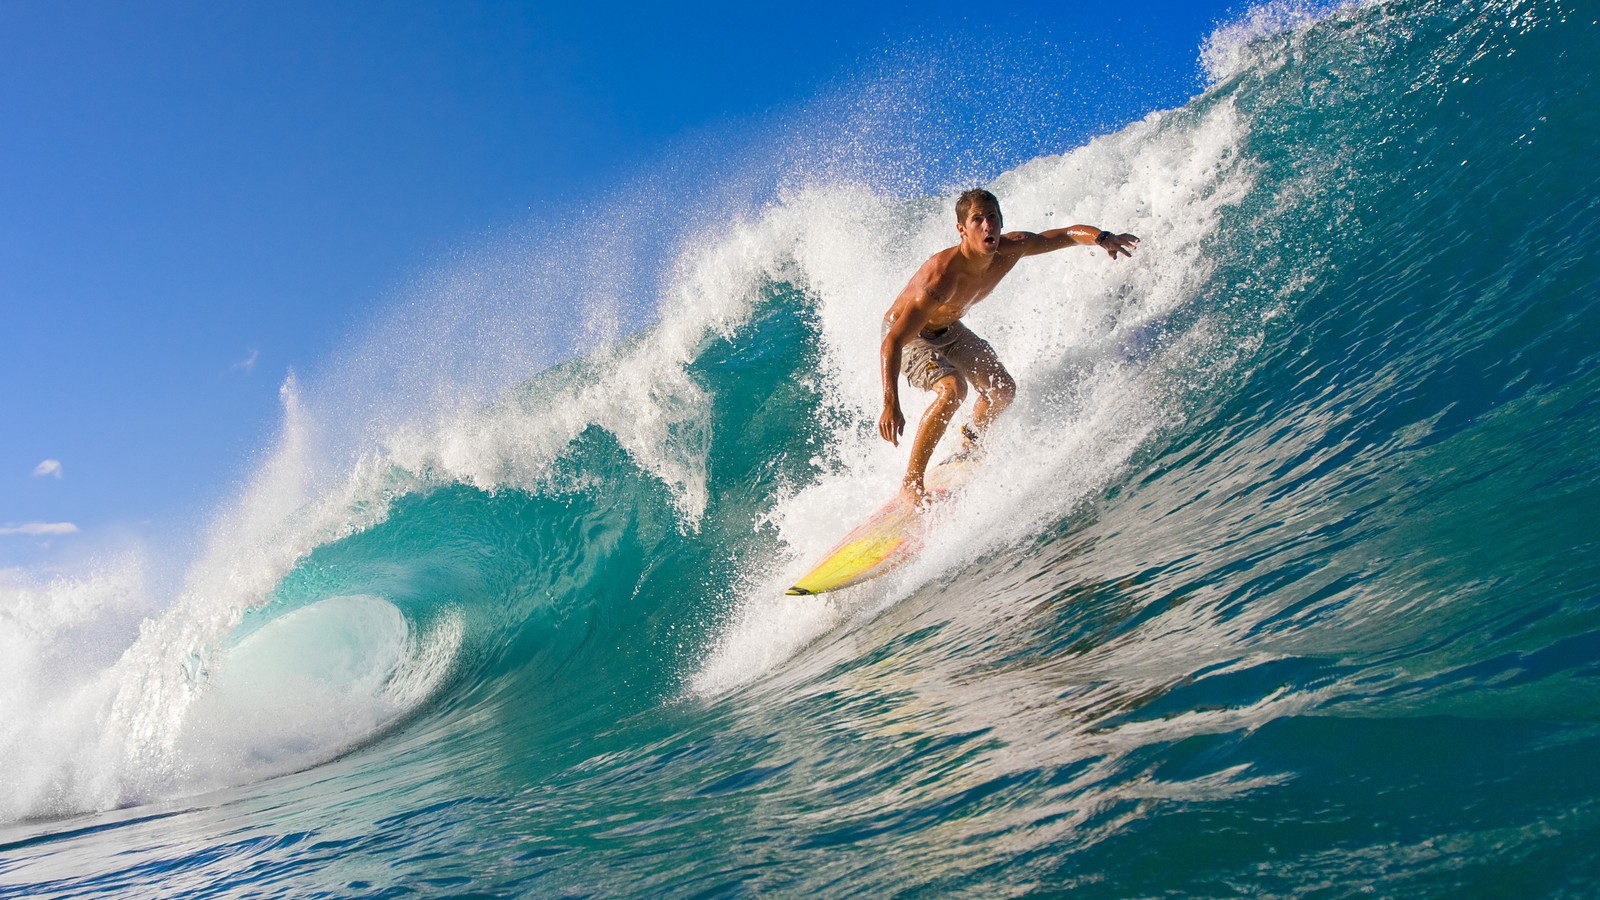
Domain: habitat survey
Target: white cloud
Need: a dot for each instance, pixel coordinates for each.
(246, 365)
(51, 467)
(38, 529)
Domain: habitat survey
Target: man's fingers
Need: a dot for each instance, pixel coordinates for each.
(889, 430)
(1121, 243)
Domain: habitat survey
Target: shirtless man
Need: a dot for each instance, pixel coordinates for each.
(924, 337)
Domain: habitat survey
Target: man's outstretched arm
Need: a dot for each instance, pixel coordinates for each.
(1031, 244)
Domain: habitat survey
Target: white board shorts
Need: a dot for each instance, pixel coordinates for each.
(953, 350)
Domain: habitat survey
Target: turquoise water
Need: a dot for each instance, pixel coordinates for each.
(1280, 581)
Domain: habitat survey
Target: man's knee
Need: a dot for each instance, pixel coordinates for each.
(999, 387)
(1005, 389)
(951, 389)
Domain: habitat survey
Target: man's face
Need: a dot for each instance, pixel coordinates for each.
(981, 229)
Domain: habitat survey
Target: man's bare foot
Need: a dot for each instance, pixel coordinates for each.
(922, 497)
(915, 494)
(970, 448)
(971, 440)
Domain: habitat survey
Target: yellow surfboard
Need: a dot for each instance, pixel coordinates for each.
(888, 539)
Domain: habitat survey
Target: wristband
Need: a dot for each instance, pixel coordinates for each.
(1101, 240)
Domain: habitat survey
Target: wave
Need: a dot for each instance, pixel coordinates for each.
(1312, 468)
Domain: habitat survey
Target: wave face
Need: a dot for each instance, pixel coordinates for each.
(1281, 579)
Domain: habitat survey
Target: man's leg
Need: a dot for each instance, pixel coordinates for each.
(996, 390)
(976, 359)
(949, 391)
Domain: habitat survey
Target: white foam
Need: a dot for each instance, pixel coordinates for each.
(57, 638)
(1247, 42)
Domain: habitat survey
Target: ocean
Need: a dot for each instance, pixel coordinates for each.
(1279, 579)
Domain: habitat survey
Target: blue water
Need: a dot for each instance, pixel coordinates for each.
(1281, 579)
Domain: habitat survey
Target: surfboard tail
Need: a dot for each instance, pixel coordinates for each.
(887, 539)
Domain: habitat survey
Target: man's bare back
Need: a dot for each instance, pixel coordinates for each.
(943, 290)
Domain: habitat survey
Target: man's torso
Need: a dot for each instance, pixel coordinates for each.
(955, 289)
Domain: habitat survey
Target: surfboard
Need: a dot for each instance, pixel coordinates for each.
(889, 538)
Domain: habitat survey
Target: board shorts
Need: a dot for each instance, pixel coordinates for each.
(952, 350)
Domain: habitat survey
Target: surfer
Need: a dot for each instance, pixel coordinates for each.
(923, 335)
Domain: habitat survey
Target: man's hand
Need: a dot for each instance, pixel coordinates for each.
(891, 424)
(1118, 243)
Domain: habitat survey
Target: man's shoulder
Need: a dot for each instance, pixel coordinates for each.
(938, 265)
(937, 276)
(1016, 241)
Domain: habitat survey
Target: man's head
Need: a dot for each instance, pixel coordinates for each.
(978, 220)
(968, 198)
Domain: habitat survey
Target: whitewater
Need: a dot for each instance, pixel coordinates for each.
(1280, 578)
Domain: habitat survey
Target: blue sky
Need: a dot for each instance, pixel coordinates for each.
(198, 197)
